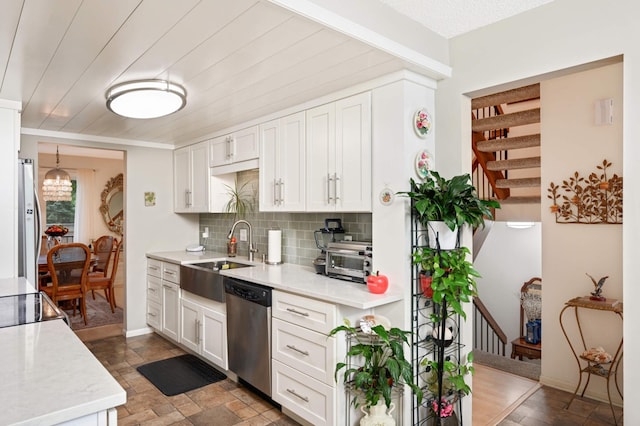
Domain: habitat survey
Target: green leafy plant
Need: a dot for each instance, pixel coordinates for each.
(453, 201)
(378, 363)
(453, 375)
(240, 201)
(453, 276)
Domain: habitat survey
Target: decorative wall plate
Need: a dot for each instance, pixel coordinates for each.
(422, 122)
(424, 163)
(386, 196)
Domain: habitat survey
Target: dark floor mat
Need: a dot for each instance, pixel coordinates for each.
(180, 374)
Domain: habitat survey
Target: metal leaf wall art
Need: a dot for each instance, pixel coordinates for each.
(594, 199)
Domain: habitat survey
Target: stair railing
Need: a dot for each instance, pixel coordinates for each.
(487, 335)
(485, 180)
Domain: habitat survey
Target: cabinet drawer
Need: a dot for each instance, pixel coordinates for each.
(154, 289)
(171, 272)
(306, 397)
(154, 268)
(305, 350)
(305, 312)
(154, 315)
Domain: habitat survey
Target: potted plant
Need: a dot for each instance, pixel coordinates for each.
(240, 201)
(452, 276)
(453, 202)
(446, 385)
(375, 365)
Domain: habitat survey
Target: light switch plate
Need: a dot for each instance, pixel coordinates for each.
(243, 235)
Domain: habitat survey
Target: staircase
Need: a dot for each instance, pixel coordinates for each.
(506, 144)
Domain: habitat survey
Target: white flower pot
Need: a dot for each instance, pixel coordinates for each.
(378, 415)
(440, 231)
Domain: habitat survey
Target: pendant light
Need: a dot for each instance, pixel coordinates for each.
(57, 183)
(146, 98)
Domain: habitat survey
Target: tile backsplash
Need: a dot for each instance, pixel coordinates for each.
(298, 244)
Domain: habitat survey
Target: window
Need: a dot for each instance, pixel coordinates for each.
(63, 213)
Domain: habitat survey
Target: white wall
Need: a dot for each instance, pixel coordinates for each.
(509, 258)
(555, 36)
(572, 142)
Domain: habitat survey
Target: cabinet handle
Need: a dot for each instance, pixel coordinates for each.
(151, 314)
(197, 332)
(152, 289)
(293, 311)
(329, 180)
(294, 393)
(153, 268)
(186, 198)
(168, 272)
(293, 348)
(281, 191)
(275, 192)
(336, 178)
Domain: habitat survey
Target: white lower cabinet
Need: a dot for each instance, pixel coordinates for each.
(203, 328)
(170, 309)
(308, 398)
(303, 357)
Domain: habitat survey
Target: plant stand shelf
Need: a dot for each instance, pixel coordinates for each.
(592, 368)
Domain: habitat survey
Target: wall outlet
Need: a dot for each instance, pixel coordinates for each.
(243, 235)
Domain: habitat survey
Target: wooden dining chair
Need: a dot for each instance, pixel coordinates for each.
(106, 282)
(102, 250)
(69, 267)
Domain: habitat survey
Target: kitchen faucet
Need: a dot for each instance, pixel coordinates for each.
(251, 248)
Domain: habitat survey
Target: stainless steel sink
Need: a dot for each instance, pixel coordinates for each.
(204, 278)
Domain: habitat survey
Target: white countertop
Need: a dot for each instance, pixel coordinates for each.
(292, 278)
(13, 286)
(48, 375)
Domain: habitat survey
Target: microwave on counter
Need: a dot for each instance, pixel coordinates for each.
(349, 260)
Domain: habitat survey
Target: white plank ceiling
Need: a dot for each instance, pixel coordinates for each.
(238, 59)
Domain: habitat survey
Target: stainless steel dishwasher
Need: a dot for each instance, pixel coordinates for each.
(249, 332)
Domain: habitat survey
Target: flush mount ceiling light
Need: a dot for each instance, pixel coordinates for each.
(57, 183)
(146, 98)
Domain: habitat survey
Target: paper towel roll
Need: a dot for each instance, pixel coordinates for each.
(274, 255)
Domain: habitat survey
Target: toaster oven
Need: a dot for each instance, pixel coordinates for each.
(349, 260)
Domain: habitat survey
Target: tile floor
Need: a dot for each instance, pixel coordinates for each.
(223, 403)
(227, 403)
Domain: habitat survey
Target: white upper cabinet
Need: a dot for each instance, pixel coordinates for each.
(191, 178)
(338, 157)
(235, 147)
(282, 164)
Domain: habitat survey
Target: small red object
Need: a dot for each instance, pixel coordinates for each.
(377, 283)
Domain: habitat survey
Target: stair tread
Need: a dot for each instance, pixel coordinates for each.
(521, 200)
(518, 183)
(514, 95)
(518, 142)
(504, 121)
(514, 163)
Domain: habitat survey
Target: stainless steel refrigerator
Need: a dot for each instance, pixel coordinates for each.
(29, 223)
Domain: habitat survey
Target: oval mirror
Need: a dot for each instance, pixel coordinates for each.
(112, 204)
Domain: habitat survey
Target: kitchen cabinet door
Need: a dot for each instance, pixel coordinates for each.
(353, 153)
(320, 162)
(235, 147)
(338, 156)
(214, 337)
(191, 178)
(282, 164)
(170, 310)
(189, 325)
(181, 179)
